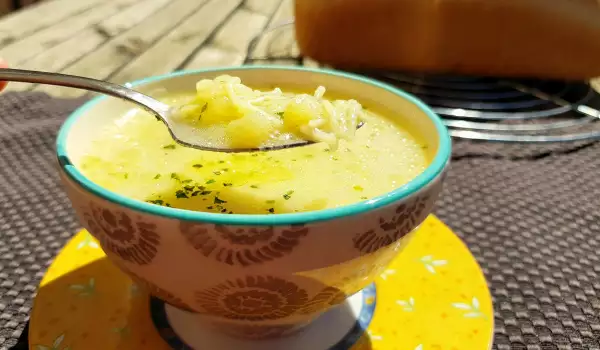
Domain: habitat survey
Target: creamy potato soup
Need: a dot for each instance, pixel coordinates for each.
(135, 155)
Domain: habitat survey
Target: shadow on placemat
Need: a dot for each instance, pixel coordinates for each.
(23, 341)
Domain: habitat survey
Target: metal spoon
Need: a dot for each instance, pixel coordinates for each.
(162, 111)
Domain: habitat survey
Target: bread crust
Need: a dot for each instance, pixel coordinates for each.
(519, 38)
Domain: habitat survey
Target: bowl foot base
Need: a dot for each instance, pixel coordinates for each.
(338, 328)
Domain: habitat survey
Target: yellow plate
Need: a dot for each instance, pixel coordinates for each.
(432, 297)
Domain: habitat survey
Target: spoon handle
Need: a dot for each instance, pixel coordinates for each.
(104, 87)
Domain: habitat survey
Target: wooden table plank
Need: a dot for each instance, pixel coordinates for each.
(230, 43)
(170, 52)
(20, 23)
(130, 17)
(107, 59)
(266, 7)
(69, 51)
(28, 47)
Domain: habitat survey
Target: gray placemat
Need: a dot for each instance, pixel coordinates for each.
(528, 213)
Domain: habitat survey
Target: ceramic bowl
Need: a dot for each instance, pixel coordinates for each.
(254, 276)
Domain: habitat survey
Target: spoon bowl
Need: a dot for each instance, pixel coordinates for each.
(179, 131)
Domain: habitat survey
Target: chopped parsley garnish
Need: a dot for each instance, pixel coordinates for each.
(327, 150)
(270, 201)
(217, 172)
(253, 186)
(254, 154)
(195, 193)
(189, 188)
(181, 194)
(223, 210)
(364, 198)
(186, 181)
(197, 165)
(358, 188)
(280, 114)
(227, 184)
(219, 201)
(221, 161)
(271, 210)
(156, 201)
(203, 110)
(209, 207)
(288, 194)
(211, 181)
(175, 177)
(334, 158)
(225, 169)
(204, 193)
(157, 177)
(172, 146)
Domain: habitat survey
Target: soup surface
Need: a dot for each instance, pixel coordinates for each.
(136, 157)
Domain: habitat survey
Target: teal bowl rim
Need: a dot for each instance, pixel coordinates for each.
(436, 167)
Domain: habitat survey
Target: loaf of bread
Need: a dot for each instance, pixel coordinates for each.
(517, 38)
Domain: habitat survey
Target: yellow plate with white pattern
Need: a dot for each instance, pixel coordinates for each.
(432, 297)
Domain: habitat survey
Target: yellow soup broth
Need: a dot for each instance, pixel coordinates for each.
(135, 156)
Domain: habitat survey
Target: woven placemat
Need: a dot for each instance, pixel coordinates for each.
(528, 213)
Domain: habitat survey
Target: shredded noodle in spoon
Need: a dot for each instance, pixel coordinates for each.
(229, 113)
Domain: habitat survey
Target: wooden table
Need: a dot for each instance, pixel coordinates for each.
(124, 40)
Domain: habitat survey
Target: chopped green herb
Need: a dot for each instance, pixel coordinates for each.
(197, 165)
(334, 158)
(225, 169)
(271, 210)
(201, 188)
(253, 186)
(204, 193)
(175, 176)
(221, 161)
(156, 201)
(227, 184)
(157, 177)
(219, 201)
(230, 212)
(195, 193)
(288, 194)
(270, 201)
(327, 150)
(280, 114)
(209, 207)
(217, 172)
(204, 108)
(364, 198)
(186, 181)
(358, 188)
(189, 188)
(180, 194)
(254, 154)
(294, 160)
(169, 147)
(168, 205)
(210, 181)
(223, 210)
